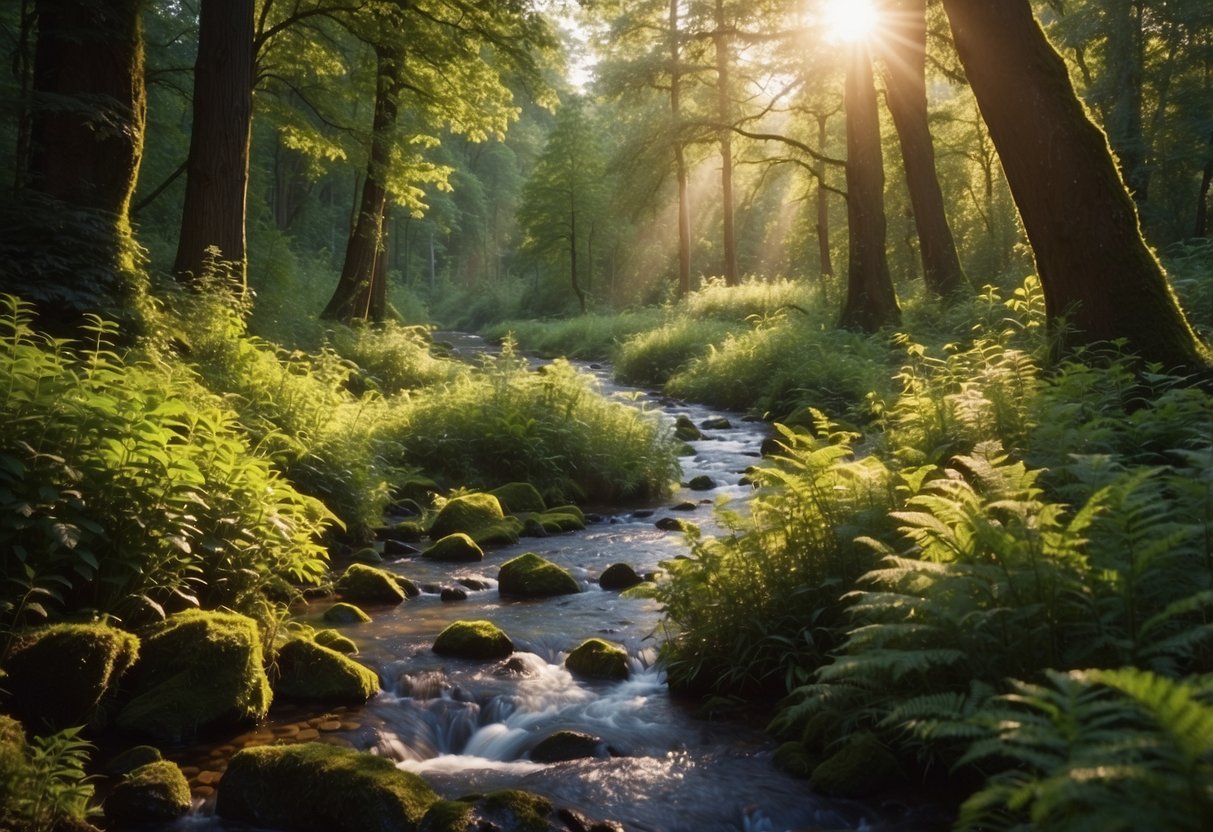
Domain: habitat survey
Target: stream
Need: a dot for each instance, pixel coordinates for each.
(468, 726)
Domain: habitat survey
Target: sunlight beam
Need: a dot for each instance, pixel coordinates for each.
(851, 21)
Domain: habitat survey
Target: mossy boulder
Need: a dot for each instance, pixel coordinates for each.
(519, 497)
(506, 810)
(362, 584)
(469, 514)
(565, 745)
(454, 548)
(685, 430)
(598, 659)
(308, 670)
(343, 613)
(407, 585)
(473, 640)
(530, 576)
(313, 787)
(367, 554)
(406, 531)
(131, 759)
(794, 759)
(646, 590)
(153, 793)
(65, 674)
(334, 640)
(198, 670)
(861, 767)
(701, 483)
(619, 576)
(560, 520)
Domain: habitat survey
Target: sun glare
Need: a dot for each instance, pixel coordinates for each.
(850, 20)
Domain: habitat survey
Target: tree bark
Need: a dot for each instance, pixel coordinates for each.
(680, 161)
(216, 185)
(906, 60)
(724, 110)
(1096, 270)
(1126, 70)
(823, 202)
(871, 302)
(356, 296)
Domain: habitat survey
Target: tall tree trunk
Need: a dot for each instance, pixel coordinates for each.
(216, 185)
(680, 161)
(356, 296)
(1126, 71)
(906, 59)
(23, 68)
(65, 241)
(1094, 266)
(573, 278)
(871, 301)
(724, 110)
(823, 201)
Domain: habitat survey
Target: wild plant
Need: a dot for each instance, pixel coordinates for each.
(1121, 749)
(752, 299)
(392, 358)
(650, 358)
(758, 610)
(592, 337)
(56, 787)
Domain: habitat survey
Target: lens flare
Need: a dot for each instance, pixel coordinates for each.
(851, 20)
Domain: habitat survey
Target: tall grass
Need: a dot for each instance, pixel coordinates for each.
(592, 337)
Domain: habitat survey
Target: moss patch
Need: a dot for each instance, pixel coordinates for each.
(530, 576)
(334, 640)
(198, 670)
(362, 584)
(519, 497)
(447, 816)
(308, 670)
(343, 613)
(619, 576)
(454, 548)
(60, 676)
(473, 640)
(598, 659)
(155, 792)
(131, 759)
(309, 787)
(860, 768)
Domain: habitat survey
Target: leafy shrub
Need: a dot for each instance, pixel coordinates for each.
(753, 299)
(42, 781)
(591, 337)
(651, 358)
(126, 488)
(392, 357)
(551, 428)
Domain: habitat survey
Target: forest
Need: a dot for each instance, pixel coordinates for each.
(606, 415)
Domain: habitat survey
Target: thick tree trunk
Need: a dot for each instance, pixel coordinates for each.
(906, 58)
(871, 302)
(823, 202)
(216, 185)
(1126, 68)
(724, 111)
(1096, 270)
(680, 162)
(65, 237)
(356, 296)
(90, 103)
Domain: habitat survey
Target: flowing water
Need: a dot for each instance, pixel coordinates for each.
(469, 726)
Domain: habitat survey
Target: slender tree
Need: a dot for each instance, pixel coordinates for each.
(722, 39)
(217, 169)
(871, 301)
(680, 160)
(1096, 270)
(905, 53)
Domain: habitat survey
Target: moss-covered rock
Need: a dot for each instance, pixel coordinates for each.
(598, 659)
(343, 613)
(473, 640)
(468, 514)
(565, 745)
(131, 759)
(198, 670)
(701, 483)
(454, 548)
(367, 554)
(406, 531)
(860, 768)
(519, 497)
(685, 430)
(313, 787)
(619, 576)
(334, 640)
(63, 675)
(310, 671)
(794, 759)
(407, 585)
(507, 810)
(502, 533)
(153, 793)
(362, 584)
(530, 576)
(14, 767)
(560, 520)
(646, 590)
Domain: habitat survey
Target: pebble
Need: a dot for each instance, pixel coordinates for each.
(210, 778)
(330, 725)
(307, 734)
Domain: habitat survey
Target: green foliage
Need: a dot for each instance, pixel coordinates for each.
(1095, 750)
(392, 358)
(43, 781)
(128, 489)
(550, 427)
(592, 337)
(650, 358)
(761, 608)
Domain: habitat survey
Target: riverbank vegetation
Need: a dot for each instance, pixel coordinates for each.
(977, 558)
